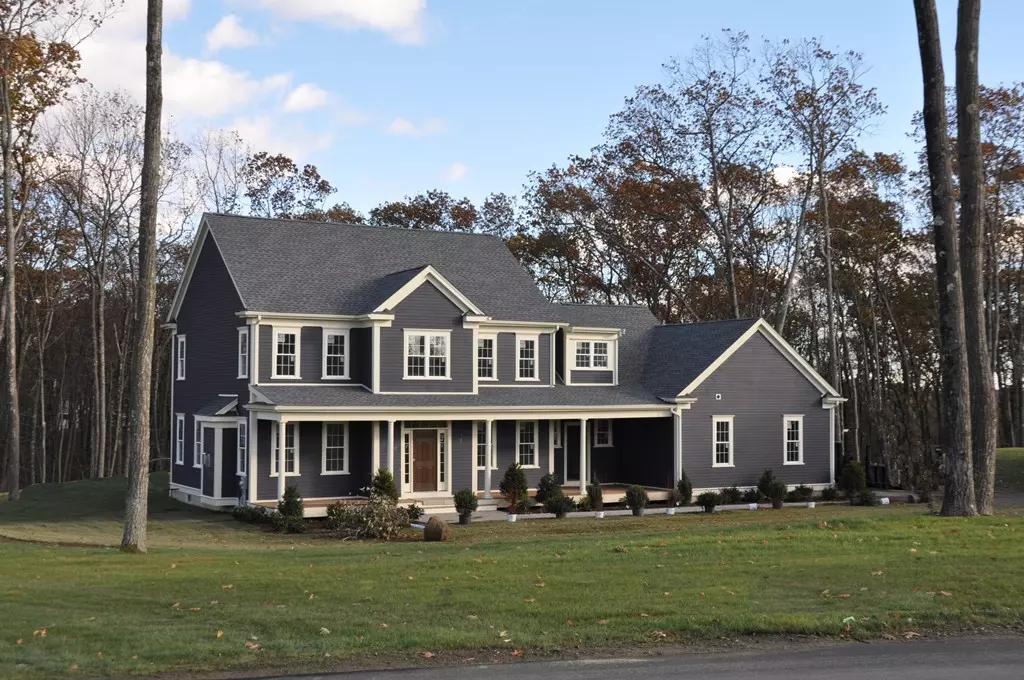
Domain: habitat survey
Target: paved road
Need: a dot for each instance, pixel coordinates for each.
(983, 659)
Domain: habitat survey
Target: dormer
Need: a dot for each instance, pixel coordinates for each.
(590, 355)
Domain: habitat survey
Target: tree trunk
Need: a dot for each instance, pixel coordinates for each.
(798, 235)
(972, 254)
(136, 502)
(13, 484)
(959, 492)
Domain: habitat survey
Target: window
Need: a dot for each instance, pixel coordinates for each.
(793, 432)
(335, 343)
(335, 451)
(602, 432)
(485, 368)
(481, 447)
(426, 355)
(197, 449)
(243, 352)
(291, 462)
(179, 438)
(722, 432)
(243, 447)
(286, 352)
(406, 458)
(442, 443)
(179, 372)
(527, 359)
(556, 428)
(526, 443)
(592, 354)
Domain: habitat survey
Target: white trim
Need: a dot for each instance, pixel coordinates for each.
(285, 330)
(480, 337)
(521, 337)
(344, 448)
(832, 445)
(557, 438)
(551, 446)
(761, 326)
(251, 468)
(591, 354)
(269, 411)
(242, 450)
(786, 420)
(254, 351)
(275, 438)
(224, 410)
(375, 447)
(714, 441)
(344, 333)
(375, 379)
(197, 446)
(429, 274)
(193, 258)
(315, 319)
(427, 334)
(243, 356)
(180, 357)
(179, 438)
(536, 444)
(477, 426)
(610, 443)
(677, 444)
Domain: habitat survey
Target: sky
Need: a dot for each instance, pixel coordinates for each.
(391, 98)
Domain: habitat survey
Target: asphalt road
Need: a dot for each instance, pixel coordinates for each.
(980, 659)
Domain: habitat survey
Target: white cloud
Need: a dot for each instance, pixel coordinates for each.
(264, 133)
(456, 172)
(229, 33)
(196, 87)
(305, 97)
(406, 128)
(402, 20)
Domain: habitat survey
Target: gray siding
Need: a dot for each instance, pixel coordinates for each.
(360, 367)
(229, 466)
(560, 356)
(508, 359)
(462, 455)
(427, 308)
(641, 453)
(507, 454)
(311, 368)
(600, 377)
(207, 319)
(758, 386)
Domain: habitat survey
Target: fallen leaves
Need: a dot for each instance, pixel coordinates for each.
(910, 635)
(945, 593)
(252, 645)
(602, 622)
(324, 631)
(517, 652)
(220, 634)
(658, 635)
(529, 599)
(41, 633)
(539, 585)
(428, 655)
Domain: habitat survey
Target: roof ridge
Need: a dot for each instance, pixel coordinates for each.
(600, 304)
(708, 323)
(293, 222)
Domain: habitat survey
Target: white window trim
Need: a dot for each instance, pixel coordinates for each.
(323, 353)
(536, 444)
(786, 420)
(556, 437)
(179, 438)
(274, 330)
(591, 354)
(426, 333)
(323, 449)
(182, 355)
(732, 441)
(243, 359)
(493, 337)
(197, 449)
(536, 357)
(242, 450)
(611, 439)
(476, 443)
(274, 453)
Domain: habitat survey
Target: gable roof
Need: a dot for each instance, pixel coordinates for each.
(637, 324)
(404, 283)
(679, 353)
(290, 266)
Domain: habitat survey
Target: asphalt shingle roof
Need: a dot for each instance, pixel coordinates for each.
(212, 408)
(678, 353)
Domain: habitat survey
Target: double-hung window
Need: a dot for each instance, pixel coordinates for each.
(526, 443)
(291, 461)
(179, 370)
(426, 355)
(527, 358)
(335, 451)
(592, 354)
(197, 449)
(721, 431)
(481, 447)
(243, 352)
(286, 353)
(793, 440)
(179, 438)
(335, 344)
(602, 432)
(485, 357)
(243, 448)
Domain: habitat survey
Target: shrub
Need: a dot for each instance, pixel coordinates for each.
(380, 517)
(685, 489)
(751, 496)
(584, 504)
(559, 504)
(830, 493)
(674, 498)
(596, 497)
(513, 488)
(287, 523)
(852, 480)
(791, 497)
(414, 511)
(709, 499)
(731, 496)
(868, 497)
(764, 485)
(777, 491)
(290, 504)
(636, 497)
(547, 487)
(465, 501)
(436, 530)
(803, 493)
(253, 514)
(383, 484)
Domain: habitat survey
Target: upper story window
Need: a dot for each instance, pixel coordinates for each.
(527, 358)
(286, 353)
(426, 354)
(335, 354)
(179, 438)
(592, 354)
(486, 357)
(722, 442)
(793, 440)
(243, 352)
(179, 370)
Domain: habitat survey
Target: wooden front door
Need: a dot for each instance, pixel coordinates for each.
(424, 460)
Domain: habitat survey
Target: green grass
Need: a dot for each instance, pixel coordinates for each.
(539, 586)
(1010, 470)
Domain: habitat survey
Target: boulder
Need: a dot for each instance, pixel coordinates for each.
(436, 530)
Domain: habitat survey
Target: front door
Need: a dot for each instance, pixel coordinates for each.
(571, 449)
(209, 459)
(424, 460)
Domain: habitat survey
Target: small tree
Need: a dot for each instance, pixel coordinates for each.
(383, 485)
(852, 480)
(596, 497)
(291, 504)
(637, 499)
(685, 488)
(764, 485)
(513, 488)
(465, 501)
(547, 487)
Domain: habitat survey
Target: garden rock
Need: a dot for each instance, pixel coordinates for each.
(436, 530)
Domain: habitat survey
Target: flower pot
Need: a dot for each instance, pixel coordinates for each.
(884, 500)
(559, 515)
(512, 517)
(708, 508)
(599, 514)
(465, 518)
(638, 512)
(752, 506)
(777, 504)
(670, 511)
(810, 505)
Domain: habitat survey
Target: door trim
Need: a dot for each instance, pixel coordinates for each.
(574, 425)
(425, 434)
(406, 441)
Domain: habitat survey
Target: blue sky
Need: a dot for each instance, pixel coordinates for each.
(394, 97)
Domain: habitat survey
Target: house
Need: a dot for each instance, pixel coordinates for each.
(313, 354)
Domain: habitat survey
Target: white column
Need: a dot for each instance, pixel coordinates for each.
(832, 445)
(250, 467)
(677, 444)
(375, 444)
(392, 458)
(584, 456)
(551, 446)
(488, 443)
(281, 427)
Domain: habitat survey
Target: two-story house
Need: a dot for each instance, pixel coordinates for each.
(316, 353)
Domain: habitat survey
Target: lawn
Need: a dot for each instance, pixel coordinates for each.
(1010, 470)
(216, 595)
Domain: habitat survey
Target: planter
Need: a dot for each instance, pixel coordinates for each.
(810, 505)
(512, 517)
(559, 515)
(638, 512)
(670, 511)
(708, 508)
(465, 518)
(599, 514)
(777, 504)
(752, 506)
(884, 500)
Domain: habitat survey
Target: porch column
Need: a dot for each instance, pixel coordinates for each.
(488, 443)
(282, 425)
(392, 458)
(584, 473)
(677, 444)
(375, 446)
